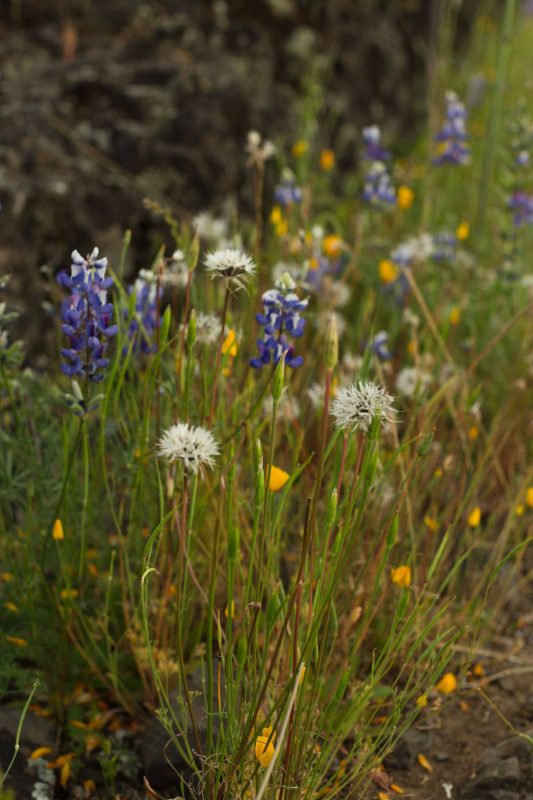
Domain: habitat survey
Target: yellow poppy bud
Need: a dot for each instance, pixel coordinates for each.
(276, 215)
(299, 148)
(401, 576)
(473, 433)
(422, 701)
(431, 523)
(57, 530)
(265, 752)
(463, 231)
(455, 316)
(327, 160)
(405, 197)
(332, 245)
(388, 271)
(529, 497)
(278, 479)
(282, 228)
(447, 684)
(230, 345)
(474, 517)
(519, 510)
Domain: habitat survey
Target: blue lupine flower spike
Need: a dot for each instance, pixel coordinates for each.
(287, 193)
(453, 136)
(280, 319)
(87, 316)
(378, 189)
(372, 141)
(143, 325)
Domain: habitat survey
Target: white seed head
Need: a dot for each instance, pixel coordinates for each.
(207, 328)
(258, 150)
(209, 227)
(358, 405)
(176, 273)
(232, 264)
(315, 393)
(148, 276)
(194, 446)
(351, 364)
(411, 381)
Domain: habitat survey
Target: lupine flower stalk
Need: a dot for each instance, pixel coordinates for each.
(280, 319)
(378, 189)
(287, 193)
(87, 316)
(372, 141)
(143, 325)
(452, 137)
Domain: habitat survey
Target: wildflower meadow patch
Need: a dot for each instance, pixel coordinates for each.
(270, 494)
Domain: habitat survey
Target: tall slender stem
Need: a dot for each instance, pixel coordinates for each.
(318, 483)
(181, 566)
(85, 501)
(219, 357)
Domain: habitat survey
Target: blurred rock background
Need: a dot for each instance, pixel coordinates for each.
(104, 102)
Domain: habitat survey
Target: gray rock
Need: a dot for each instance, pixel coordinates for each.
(502, 772)
(408, 748)
(163, 765)
(36, 731)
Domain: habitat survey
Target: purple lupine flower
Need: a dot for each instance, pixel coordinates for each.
(372, 140)
(287, 193)
(378, 189)
(380, 346)
(280, 319)
(145, 321)
(322, 266)
(86, 316)
(453, 135)
(522, 205)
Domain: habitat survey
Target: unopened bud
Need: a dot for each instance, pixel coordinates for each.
(194, 252)
(332, 343)
(191, 330)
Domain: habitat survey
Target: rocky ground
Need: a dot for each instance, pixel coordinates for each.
(471, 745)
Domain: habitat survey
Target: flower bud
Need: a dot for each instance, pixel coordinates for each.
(194, 252)
(191, 330)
